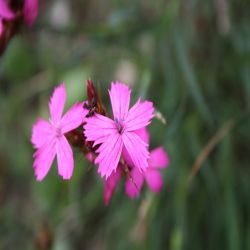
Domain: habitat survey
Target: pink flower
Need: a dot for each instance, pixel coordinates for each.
(30, 11)
(49, 137)
(5, 14)
(158, 160)
(118, 134)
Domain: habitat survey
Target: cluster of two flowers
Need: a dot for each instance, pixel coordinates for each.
(117, 145)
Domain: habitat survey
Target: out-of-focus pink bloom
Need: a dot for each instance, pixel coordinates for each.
(119, 133)
(110, 184)
(49, 139)
(5, 14)
(158, 160)
(30, 11)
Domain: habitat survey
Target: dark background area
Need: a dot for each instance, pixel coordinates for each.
(192, 58)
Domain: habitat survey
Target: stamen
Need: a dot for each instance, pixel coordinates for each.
(58, 132)
(119, 125)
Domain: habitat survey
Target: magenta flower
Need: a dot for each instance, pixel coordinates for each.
(158, 160)
(30, 11)
(49, 137)
(118, 134)
(5, 14)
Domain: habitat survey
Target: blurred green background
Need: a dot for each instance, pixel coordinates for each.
(192, 58)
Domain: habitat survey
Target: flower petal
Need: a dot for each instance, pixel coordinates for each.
(56, 104)
(5, 11)
(158, 158)
(98, 128)
(120, 99)
(110, 184)
(30, 10)
(127, 158)
(42, 132)
(143, 134)
(134, 186)
(44, 157)
(65, 159)
(139, 115)
(137, 150)
(154, 180)
(73, 118)
(109, 154)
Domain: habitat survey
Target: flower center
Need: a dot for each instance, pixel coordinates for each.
(58, 132)
(119, 125)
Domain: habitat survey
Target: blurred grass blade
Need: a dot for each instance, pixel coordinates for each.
(189, 76)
